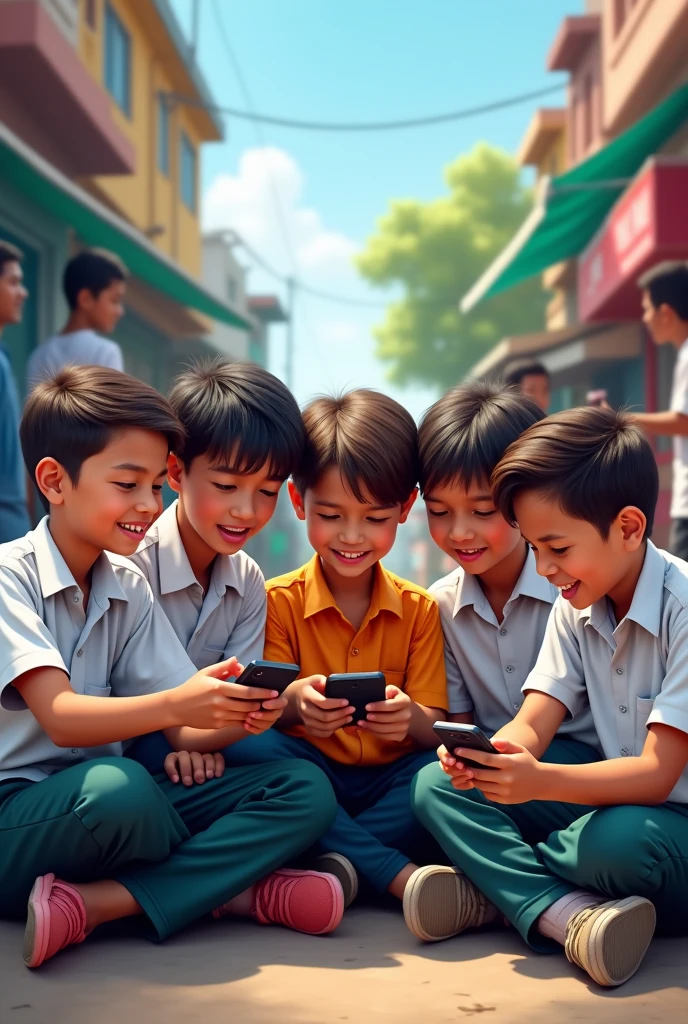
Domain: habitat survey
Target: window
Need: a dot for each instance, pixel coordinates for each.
(163, 135)
(587, 113)
(117, 60)
(90, 14)
(187, 177)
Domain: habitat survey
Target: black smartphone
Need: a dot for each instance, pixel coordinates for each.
(359, 688)
(269, 675)
(468, 737)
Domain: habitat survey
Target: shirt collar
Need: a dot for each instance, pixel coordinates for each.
(646, 606)
(529, 584)
(55, 575)
(318, 595)
(173, 562)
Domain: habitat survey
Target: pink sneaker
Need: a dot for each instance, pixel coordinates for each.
(56, 918)
(307, 901)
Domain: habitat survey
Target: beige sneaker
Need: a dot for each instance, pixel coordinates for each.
(440, 902)
(610, 941)
(341, 867)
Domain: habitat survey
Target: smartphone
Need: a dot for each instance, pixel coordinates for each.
(359, 688)
(270, 675)
(469, 737)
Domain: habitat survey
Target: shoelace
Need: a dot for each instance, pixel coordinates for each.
(473, 906)
(573, 934)
(272, 898)
(68, 901)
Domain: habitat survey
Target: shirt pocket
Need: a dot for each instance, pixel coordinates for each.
(397, 679)
(97, 691)
(643, 707)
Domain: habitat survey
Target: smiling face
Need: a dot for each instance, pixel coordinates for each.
(117, 496)
(573, 555)
(221, 505)
(465, 524)
(350, 536)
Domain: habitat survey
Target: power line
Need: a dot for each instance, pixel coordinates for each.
(365, 126)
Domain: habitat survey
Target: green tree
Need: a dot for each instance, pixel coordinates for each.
(436, 251)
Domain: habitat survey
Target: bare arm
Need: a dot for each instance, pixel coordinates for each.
(422, 720)
(669, 423)
(536, 724)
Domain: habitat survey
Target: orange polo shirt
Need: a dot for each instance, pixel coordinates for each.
(401, 636)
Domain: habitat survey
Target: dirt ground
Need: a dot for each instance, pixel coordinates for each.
(370, 970)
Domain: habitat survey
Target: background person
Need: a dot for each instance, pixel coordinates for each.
(531, 378)
(14, 520)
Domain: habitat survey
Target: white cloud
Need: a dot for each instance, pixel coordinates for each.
(269, 181)
(334, 343)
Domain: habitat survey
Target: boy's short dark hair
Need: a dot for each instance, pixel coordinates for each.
(9, 254)
(667, 284)
(592, 462)
(93, 269)
(239, 411)
(517, 369)
(77, 412)
(465, 433)
(371, 439)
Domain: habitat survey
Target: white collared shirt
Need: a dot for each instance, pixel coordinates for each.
(679, 403)
(228, 620)
(82, 348)
(487, 661)
(632, 674)
(120, 644)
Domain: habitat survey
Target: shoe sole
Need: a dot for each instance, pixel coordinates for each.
(337, 894)
(343, 870)
(432, 903)
(37, 932)
(619, 940)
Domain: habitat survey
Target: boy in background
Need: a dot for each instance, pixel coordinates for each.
(94, 285)
(531, 378)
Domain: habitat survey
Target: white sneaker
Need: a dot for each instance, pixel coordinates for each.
(440, 902)
(610, 941)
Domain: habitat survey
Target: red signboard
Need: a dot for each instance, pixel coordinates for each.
(648, 224)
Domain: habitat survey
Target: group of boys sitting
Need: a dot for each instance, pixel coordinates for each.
(562, 634)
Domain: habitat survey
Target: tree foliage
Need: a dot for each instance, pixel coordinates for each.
(436, 251)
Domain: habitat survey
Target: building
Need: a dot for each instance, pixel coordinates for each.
(614, 209)
(103, 114)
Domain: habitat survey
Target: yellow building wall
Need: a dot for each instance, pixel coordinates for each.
(148, 198)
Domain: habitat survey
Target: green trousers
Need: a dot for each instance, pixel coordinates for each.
(524, 857)
(180, 852)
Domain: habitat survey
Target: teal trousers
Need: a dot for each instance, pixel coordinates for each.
(179, 851)
(524, 857)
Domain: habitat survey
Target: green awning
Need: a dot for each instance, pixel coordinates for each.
(571, 208)
(42, 184)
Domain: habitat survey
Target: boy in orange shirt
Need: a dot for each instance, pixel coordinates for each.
(343, 612)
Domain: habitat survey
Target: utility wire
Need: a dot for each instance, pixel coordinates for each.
(367, 126)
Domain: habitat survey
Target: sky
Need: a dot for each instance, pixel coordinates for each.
(306, 201)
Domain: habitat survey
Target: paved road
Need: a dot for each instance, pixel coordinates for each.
(372, 970)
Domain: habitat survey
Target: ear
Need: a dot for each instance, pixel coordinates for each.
(175, 470)
(297, 501)
(52, 480)
(408, 505)
(632, 524)
(85, 300)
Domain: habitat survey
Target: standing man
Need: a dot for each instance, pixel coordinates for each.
(665, 314)
(14, 520)
(530, 377)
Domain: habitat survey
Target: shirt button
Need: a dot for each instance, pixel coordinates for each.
(619, 671)
(623, 709)
(354, 651)
(516, 707)
(79, 653)
(76, 599)
(510, 668)
(75, 750)
(625, 752)
(502, 632)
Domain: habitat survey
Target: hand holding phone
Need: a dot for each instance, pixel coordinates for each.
(454, 735)
(358, 688)
(321, 715)
(268, 675)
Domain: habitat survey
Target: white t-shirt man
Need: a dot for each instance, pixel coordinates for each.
(82, 348)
